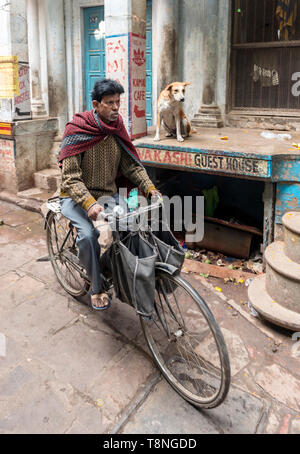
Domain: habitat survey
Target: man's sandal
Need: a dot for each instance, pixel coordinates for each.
(101, 297)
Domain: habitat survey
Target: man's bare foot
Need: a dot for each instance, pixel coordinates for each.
(100, 301)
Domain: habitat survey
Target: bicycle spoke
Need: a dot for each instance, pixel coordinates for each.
(181, 339)
(168, 305)
(61, 242)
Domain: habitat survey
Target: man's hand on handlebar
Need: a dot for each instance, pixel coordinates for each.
(155, 194)
(94, 211)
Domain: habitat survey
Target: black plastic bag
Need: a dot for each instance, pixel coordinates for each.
(133, 269)
(169, 249)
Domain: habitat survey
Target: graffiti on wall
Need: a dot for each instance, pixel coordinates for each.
(126, 63)
(117, 68)
(7, 155)
(138, 86)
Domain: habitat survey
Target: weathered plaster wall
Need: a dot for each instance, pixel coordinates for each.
(33, 141)
(13, 29)
(74, 38)
(56, 53)
(190, 53)
(224, 39)
(177, 45)
(192, 16)
(124, 16)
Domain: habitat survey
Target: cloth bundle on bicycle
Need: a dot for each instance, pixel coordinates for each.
(133, 269)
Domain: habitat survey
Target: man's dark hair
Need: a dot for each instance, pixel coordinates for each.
(104, 87)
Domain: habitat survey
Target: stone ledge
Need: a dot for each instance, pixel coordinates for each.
(27, 204)
(283, 265)
(291, 221)
(268, 308)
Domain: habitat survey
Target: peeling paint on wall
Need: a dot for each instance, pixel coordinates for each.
(287, 199)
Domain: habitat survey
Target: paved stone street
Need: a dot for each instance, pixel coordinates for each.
(69, 369)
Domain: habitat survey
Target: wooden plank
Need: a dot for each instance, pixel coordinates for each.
(246, 228)
(267, 45)
(215, 271)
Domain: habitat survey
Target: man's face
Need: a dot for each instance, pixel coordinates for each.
(108, 108)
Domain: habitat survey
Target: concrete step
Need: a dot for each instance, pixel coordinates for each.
(270, 309)
(291, 222)
(282, 277)
(47, 179)
(40, 195)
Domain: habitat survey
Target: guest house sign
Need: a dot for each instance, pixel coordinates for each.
(205, 161)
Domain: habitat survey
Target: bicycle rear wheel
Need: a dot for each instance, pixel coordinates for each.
(61, 243)
(187, 343)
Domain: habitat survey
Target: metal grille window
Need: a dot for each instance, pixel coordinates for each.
(266, 54)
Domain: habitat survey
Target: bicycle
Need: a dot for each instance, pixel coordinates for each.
(183, 337)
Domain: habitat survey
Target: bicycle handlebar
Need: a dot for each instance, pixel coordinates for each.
(118, 211)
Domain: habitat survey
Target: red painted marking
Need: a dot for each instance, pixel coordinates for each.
(139, 113)
(285, 426)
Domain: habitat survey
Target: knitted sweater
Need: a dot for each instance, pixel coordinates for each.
(92, 174)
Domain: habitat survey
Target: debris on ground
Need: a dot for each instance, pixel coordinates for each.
(253, 266)
(272, 135)
(257, 268)
(253, 312)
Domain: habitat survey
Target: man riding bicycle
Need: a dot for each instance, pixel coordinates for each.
(97, 158)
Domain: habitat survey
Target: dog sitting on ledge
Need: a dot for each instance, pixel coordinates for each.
(170, 113)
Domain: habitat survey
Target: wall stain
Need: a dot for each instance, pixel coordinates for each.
(169, 57)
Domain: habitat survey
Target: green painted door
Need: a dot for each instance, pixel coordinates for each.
(94, 49)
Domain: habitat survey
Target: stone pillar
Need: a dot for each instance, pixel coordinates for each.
(13, 29)
(57, 71)
(37, 103)
(166, 39)
(27, 142)
(56, 59)
(125, 30)
(14, 58)
(209, 114)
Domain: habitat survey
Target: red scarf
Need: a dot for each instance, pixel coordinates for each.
(86, 130)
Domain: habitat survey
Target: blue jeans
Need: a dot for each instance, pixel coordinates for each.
(87, 236)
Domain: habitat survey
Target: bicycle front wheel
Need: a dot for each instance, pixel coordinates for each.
(187, 343)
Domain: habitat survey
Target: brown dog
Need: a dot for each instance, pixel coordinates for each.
(170, 113)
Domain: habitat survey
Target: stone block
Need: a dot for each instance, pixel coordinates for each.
(268, 308)
(291, 223)
(8, 234)
(281, 385)
(47, 179)
(239, 414)
(90, 350)
(21, 290)
(282, 277)
(118, 384)
(18, 255)
(32, 144)
(237, 351)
